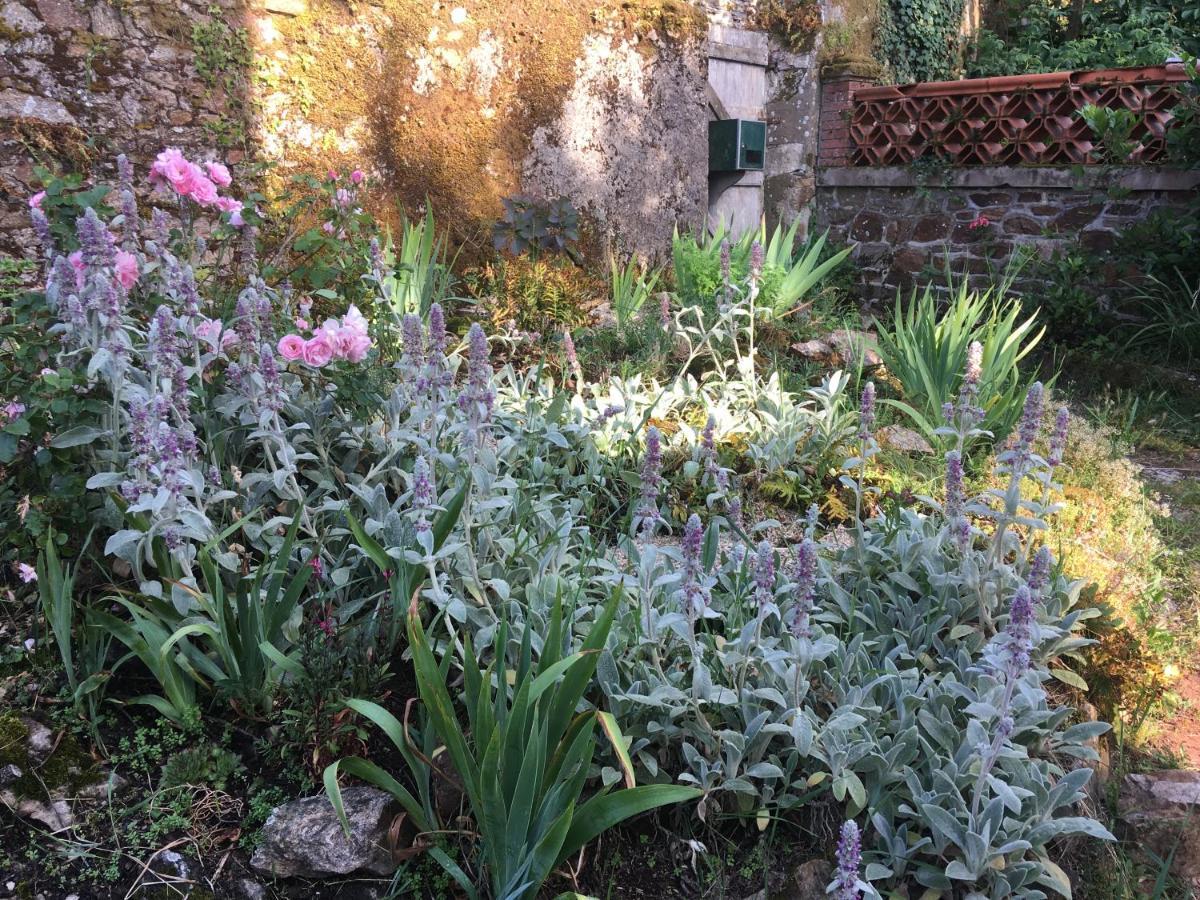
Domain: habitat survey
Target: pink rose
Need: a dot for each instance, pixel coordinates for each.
(76, 261)
(35, 202)
(202, 191)
(291, 346)
(126, 269)
(228, 204)
(171, 167)
(356, 176)
(354, 320)
(318, 350)
(354, 347)
(218, 174)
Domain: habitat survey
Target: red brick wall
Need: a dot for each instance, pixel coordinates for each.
(834, 147)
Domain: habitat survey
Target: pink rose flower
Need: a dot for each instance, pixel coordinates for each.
(354, 320)
(228, 204)
(219, 174)
(203, 191)
(171, 167)
(35, 202)
(302, 324)
(126, 269)
(318, 350)
(291, 346)
(354, 346)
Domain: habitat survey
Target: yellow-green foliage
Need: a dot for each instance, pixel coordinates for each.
(536, 295)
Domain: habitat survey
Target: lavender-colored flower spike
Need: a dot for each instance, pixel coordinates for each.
(756, 261)
(413, 341)
(804, 584)
(725, 262)
(695, 595)
(1031, 420)
(437, 329)
(41, 226)
(647, 510)
(866, 414)
(664, 309)
(968, 393)
(1058, 440)
(849, 862)
(1018, 634)
(708, 455)
(954, 484)
(95, 242)
(1039, 571)
(764, 574)
(422, 492)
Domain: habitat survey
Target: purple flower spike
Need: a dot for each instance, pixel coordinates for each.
(1031, 420)
(422, 492)
(866, 415)
(954, 485)
(764, 574)
(1018, 634)
(756, 261)
(695, 595)
(849, 862)
(1058, 440)
(651, 480)
(1039, 571)
(804, 579)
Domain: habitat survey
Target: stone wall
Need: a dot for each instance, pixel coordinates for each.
(906, 226)
(81, 81)
(458, 103)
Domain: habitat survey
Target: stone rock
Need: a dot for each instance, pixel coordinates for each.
(15, 105)
(810, 879)
(18, 18)
(1160, 810)
(286, 7)
(903, 439)
(818, 351)
(61, 15)
(849, 344)
(305, 837)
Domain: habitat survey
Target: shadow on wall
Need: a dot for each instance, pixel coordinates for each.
(465, 105)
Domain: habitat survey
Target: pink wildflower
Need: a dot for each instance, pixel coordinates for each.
(26, 573)
(356, 176)
(35, 202)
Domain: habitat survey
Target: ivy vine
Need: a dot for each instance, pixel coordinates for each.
(920, 39)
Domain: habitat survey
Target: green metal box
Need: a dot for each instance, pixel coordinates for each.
(736, 145)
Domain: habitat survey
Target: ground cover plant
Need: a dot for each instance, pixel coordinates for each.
(351, 542)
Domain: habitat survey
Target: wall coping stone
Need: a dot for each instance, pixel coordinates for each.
(738, 45)
(1138, 178)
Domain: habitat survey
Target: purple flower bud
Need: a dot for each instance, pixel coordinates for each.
(948, 412)
(764, 574)
(954, 484)
(866, 413)
(437, 329)
(41, 226)
(849, 862)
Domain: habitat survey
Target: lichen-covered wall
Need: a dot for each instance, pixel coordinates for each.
(459, 103)
(466, 103)
(81, 81)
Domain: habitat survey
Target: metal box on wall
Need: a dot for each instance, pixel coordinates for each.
(736, 145)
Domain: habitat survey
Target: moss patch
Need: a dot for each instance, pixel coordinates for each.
(68, 768)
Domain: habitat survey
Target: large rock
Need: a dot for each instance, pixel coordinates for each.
(305, 837)
(29, 107)
(807, 882)
(1161, 810)
(850, 344)
(903, 439)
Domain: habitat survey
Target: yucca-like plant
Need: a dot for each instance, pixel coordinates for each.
(522, 759)
(631, 285)
(419, 275)
(926, 349)
(800, 272)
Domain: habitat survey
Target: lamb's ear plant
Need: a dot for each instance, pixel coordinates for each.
(521, 759)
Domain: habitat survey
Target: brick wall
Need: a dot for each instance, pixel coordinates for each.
(837, 101)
